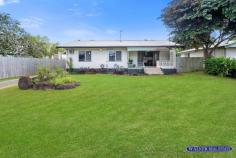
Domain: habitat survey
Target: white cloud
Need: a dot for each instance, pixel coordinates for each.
(3, 2)
(13, 1)
(77, 10)
(32, 22)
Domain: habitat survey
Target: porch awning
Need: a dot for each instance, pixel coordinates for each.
(130, 49)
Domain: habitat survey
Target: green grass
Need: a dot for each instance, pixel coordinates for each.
(120, 116)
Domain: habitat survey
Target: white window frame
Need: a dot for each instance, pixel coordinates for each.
(115, 52)
(85, 56)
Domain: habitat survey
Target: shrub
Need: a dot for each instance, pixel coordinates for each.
(60, 72)
(220, 66)
(119, 71)
(45, 74)
(70, 64)
(49, 79)
(62, 80)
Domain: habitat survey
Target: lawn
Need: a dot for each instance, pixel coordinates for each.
(120, 116)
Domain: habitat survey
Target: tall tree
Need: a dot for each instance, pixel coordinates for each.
(15, 41)
(201, 23)
(36, 46)
(11, 35)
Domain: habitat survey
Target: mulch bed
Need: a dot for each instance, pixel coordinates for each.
(27, 83)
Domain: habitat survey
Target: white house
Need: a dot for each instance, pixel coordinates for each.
(153, 57)
(226, 49)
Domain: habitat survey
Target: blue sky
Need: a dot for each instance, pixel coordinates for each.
(66, 20)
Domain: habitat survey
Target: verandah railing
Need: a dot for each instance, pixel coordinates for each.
(165, 63)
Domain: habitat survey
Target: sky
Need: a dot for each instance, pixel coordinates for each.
(67, 20)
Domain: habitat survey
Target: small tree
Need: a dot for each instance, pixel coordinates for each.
(201, 23)
(70, 64)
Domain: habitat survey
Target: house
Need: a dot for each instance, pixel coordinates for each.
(150, 56)
(226, 49)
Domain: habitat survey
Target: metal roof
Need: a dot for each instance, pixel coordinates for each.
(126, 43)
(225, 44)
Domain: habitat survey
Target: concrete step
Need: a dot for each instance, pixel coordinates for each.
(153, 71)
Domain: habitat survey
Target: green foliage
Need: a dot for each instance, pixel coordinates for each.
(60, 72)
(45, 74)
(15, 41)
(62, 80)
(11, 35)
(201, 23)
(57, 77)
(220, 66)
(70, 64)
(39, 47)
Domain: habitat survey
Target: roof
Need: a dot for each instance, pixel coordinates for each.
(232, 44)
(113, 43)
(226, 44)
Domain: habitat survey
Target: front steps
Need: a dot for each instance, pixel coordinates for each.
(153, 71)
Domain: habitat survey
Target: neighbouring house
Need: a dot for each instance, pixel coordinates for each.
(60, 56)
(150, 56)
(226, 49)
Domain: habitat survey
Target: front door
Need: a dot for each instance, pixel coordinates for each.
(150, 59)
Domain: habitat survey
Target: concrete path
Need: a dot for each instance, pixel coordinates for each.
(8, 83)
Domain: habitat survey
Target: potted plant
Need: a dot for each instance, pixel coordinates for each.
(131, 65)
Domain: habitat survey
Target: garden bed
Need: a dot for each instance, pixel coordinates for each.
(48, 79)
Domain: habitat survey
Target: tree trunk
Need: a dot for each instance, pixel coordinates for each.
(206, 53)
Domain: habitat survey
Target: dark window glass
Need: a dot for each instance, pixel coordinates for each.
(81, 56)
(85, 56)
(112, 56)
(118, 56)
(88, 56)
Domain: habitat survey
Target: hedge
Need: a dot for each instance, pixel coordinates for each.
(220, 66)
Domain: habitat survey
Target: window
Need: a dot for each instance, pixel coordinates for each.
(118, 56)
(85, 56)
(112, 56)
(88, 56)
(115, 56)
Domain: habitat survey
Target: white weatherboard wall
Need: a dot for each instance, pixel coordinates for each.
(164, 55)
(99, 57)
(231, 53)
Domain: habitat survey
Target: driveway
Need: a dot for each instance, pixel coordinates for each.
(8, 83)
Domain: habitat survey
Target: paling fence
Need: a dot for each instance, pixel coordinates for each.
(189, 64)
(19, 66)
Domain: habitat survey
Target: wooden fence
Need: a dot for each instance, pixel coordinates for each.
(18, 66)
(189, 64)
